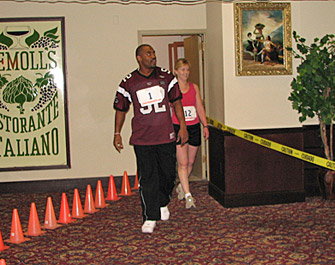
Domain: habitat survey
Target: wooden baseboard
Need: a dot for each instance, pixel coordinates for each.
(254, 199)
(60, 184)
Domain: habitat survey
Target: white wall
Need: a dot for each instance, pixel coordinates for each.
(256, 102)
(100, 46)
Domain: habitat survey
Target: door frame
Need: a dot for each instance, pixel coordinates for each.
(203, 78)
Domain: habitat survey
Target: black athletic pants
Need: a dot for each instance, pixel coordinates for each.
(156, 167)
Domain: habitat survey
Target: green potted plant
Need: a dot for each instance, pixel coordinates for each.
(313, 94)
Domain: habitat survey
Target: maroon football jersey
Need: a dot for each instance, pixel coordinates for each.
(150, 96)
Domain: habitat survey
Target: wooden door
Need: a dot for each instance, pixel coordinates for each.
(193, 53)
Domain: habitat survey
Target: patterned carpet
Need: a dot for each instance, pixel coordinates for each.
(298, 233)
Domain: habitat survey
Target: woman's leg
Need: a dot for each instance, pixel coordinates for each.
(182, 158)
(192, 152)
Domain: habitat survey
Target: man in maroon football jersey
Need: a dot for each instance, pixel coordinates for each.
(151, 89)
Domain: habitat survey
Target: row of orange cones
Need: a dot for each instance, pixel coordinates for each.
(65, 217)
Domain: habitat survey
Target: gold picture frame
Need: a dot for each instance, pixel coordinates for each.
(262, 34)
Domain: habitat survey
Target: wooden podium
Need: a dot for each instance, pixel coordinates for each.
(243, 173)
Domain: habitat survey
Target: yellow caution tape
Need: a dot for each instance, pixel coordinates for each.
(274, 146)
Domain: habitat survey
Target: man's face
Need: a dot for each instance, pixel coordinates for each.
(147, 57)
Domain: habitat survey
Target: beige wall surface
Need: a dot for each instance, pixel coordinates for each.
(162, 49)
(256, 102)
(214, 62)
(100, 45)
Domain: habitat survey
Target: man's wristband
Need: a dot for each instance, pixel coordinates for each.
(206, 126)
(116, 133)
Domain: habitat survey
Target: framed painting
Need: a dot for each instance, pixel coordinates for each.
(262, 34)
(33, 97)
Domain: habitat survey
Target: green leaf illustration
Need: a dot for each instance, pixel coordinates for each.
(51, 31)
(32, 38)
(43, 80)
(51, 36)
(3, 80)
(5, 40)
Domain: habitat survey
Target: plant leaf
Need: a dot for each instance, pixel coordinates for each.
(32, 38)
(5, 40)
(51, 31)
(51, 36)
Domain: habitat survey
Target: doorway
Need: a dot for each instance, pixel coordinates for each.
(170, 46)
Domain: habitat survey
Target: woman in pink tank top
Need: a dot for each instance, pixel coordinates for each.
(194, 112)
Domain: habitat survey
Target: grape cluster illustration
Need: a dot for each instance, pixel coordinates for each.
(3, 106)
(3, 82)
(48, 88)
(3, 47)
(49, 40)
(45, 42)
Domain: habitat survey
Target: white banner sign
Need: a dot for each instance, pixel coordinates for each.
(33, 105)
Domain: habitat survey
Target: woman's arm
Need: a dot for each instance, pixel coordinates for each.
(201, 111)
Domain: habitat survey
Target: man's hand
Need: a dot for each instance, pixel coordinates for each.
(182, 135)
(118, 142)
(119, 120)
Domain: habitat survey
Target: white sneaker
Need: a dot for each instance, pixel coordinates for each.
(148, 226)
(190, 202)
(165, 213)
(180, 191)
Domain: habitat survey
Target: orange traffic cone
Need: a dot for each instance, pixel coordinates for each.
(112, 194)
(34, 227)
(16, 234)
(50, 221)
(99, 196)
(2, 262)
(125, 191)
(77, 208)
(2, 245)
(89, 202)
(65, 215)
(136, 184)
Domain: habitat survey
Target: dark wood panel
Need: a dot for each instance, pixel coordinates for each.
(250, 174)
(313, 145)
(254, 168)
(216, 158)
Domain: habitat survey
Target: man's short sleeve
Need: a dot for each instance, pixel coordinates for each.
(174, 90)
(122, 99)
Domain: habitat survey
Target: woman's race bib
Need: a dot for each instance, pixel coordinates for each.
(190, 113)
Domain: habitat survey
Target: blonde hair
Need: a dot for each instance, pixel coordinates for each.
(180, 62)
